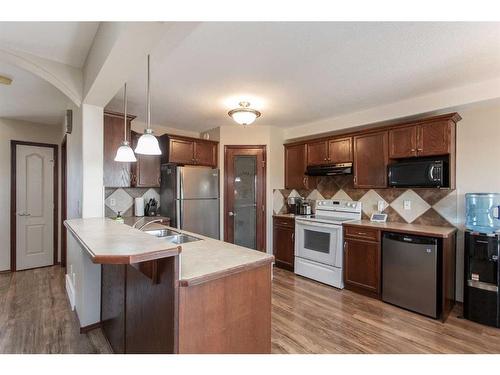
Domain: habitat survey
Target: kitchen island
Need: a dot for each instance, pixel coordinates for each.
(205, 296)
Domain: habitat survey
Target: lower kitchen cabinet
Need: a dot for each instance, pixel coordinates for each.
(362, 265)
(284, 242)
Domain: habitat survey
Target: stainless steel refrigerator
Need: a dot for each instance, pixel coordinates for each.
(189, 196)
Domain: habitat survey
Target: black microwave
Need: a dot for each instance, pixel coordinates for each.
(419, 173)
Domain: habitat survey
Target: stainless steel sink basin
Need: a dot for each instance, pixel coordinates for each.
(172, 236)
(162, 232)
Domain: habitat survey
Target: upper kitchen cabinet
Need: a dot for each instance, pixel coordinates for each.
(295, 167)
(370, 160)
(317, 152)
(116, 174)
(188, 151)
(340, 150)
(432, 137)
(145, 172)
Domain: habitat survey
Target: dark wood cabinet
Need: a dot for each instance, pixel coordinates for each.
(284, 242)
(403, 142)
(434, 138)
(425, 139)
(317, 153)
(362, 265)
(146, 171)
(295, 167)
(340, 150)
(116, 174)
(188, 151)
(370, 160)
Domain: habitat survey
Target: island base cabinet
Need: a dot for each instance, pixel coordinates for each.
(231, 314)
(139, 305)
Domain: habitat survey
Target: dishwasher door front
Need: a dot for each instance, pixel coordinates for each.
(410, 273)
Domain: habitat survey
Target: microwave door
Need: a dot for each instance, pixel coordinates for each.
(411, 174)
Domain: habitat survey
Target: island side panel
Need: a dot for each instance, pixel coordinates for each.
(113, 305)
(231, 314)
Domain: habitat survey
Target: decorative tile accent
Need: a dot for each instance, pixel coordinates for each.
(278, 201)
(390, 195)
(432, 196)
(315, 195)
(418, 206)
(393, 216)
(431, 217)
(370, 202)
(341, 194)
(327, 187)
(122, 201)
(293, 193)
(447, 207)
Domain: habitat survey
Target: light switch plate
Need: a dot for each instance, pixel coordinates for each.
(112, 202)
(407, 204)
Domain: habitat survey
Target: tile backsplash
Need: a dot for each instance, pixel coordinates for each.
(122, 199)
(426, 206)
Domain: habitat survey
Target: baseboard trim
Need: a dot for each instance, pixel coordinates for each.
(90, 327)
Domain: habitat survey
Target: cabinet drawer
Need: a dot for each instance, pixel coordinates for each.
(284, 222)
(369, 234)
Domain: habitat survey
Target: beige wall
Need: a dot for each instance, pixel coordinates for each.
(269, 136)
(19, 131)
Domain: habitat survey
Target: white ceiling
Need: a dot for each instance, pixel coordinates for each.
(30, 98)
(64, 42)
(296, 73)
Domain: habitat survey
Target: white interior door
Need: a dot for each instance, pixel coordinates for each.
(34, 206)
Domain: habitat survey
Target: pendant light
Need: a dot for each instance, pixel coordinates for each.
(148, 143)
(124, 152)
(244, 115)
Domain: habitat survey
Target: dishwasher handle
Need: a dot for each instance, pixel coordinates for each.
(407, 238)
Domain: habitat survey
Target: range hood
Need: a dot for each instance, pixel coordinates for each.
(329, 170)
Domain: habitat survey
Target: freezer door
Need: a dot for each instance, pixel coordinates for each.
(198, 182)
(409, 275)
(200, 216)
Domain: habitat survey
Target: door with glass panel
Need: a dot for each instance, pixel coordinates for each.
(245, 192)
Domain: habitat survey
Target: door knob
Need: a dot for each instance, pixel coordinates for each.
(231, 213)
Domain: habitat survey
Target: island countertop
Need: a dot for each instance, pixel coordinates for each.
(108, 242)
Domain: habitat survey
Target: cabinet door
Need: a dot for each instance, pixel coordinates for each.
(362, 265)
(340, 150)
(146, 170)
(284, 246)
(181, 151)
(403, 142)
(116, 174)
(370, 160)
(205, 153)
(434, 138)
(295, 167)
(317, 153)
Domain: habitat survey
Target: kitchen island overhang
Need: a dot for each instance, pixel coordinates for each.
(206, 296)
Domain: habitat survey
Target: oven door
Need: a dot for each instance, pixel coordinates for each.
(319, 242)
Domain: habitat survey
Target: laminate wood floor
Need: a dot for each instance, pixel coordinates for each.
(307, 317)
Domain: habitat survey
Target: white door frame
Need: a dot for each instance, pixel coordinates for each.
(13, 198)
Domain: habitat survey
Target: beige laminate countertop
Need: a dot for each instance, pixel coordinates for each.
(418, 229)
(109, 242)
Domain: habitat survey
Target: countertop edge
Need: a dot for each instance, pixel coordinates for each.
(227, 272)
(123, 259)
(452, 230)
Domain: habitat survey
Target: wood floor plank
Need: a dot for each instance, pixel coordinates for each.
(307, 317)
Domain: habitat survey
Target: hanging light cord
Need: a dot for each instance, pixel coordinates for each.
(149, 99)
(125, 113)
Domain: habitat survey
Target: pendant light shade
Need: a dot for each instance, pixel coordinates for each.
(148, 143)
(124, 152)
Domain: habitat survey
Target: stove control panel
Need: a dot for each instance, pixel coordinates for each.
(338, 205)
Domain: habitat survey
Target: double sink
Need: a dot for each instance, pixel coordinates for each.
(172, 236)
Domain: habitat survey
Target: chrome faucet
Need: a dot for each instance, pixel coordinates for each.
(159, 220)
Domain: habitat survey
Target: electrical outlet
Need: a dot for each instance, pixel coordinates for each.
(112, 202)
(407, 204)
(380, 206)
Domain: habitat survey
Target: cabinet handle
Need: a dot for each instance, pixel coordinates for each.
(293, 236)
(362, 233)
(159, 180)
(412, 150)
(420, 149)
(324, 159)
(345, 246)
(304, 181)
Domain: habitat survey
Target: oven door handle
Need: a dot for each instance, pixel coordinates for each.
(316, 224)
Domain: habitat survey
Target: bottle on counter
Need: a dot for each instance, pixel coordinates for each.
(119, 218)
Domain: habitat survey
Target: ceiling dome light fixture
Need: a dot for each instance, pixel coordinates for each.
(124, 152)
(244, 115)
(148, 143)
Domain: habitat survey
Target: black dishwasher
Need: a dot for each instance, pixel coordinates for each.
(410, 273)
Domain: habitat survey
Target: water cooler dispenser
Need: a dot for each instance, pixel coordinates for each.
(481, 251)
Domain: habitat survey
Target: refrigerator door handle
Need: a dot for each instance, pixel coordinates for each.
(179, 213)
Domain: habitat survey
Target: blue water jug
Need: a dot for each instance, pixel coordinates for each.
(482, 211)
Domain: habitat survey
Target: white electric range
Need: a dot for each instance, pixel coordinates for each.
(319, 239)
